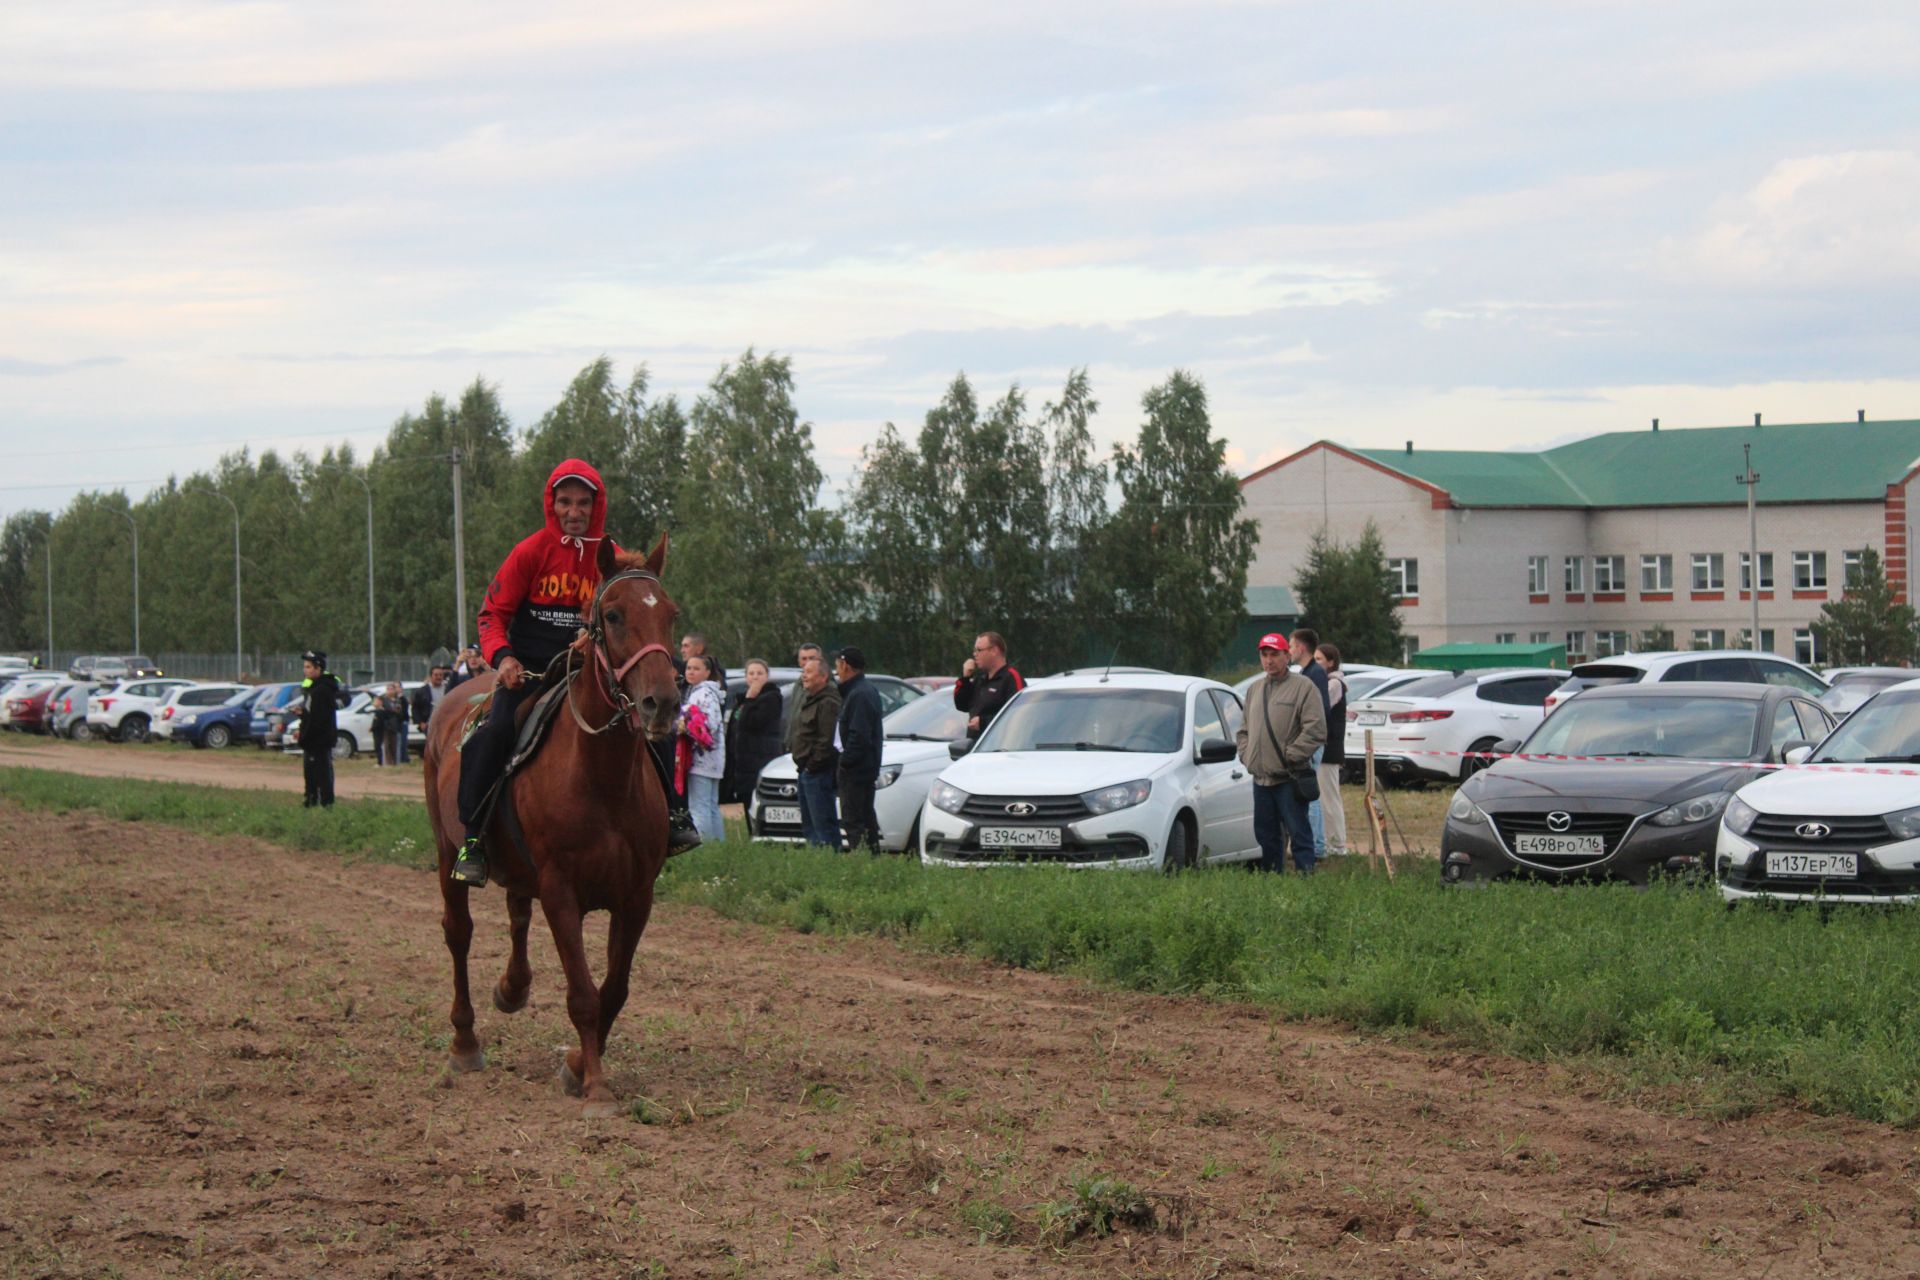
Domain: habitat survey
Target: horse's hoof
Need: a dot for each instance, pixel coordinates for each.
(475, 1061)
(599, 1109)
(571, 1083)
(504, 1005)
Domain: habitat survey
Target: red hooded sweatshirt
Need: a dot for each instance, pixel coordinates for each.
(534, 604)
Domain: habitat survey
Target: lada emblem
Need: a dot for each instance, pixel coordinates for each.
(1813, 831)
(788, 789)
(1021, 809)
(1559, 821)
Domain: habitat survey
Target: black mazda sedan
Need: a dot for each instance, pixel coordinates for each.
(1651, 806)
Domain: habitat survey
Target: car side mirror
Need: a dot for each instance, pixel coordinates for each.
(1506, 746)
(1216, 751)
(1795, 752)
(959, 747)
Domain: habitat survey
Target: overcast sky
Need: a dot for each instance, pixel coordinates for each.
(1471, 225)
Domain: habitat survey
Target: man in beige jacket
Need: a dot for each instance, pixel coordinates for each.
(1285, 725)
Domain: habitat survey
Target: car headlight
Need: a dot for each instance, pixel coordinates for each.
(1463, 810)
(948, 798)
(888, 776)
(1740, 815)
(1696, 809)
(1905, 824)
(1123, 795)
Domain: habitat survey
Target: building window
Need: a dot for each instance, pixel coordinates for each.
(1710, 638)
(1656, 573)
(1610, 573)
(1709, 571)
(1576, 644)
(1503, 637)
(1539, 637)
(1608, 643)
(1766, 571)
(1806, 646)
(1574, 573)
(1409, 646)
(1406, 576)
(1809, 570)
(1766, 639)
(1536, 575)
(1850, 562)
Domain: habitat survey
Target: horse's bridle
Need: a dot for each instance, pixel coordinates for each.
(611, 677)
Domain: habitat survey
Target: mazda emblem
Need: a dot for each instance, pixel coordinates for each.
(1559, 821)
(1021, 809)
(1813, 831)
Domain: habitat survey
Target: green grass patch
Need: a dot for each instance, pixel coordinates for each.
(1665, 987)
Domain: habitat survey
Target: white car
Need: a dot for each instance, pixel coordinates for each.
(918, 735)
(1738, 666)
(1831, 835)
(1851, 686)
(354, 723)
(1420, 727)
(1126, 771)
(126, 711)
(187, 698)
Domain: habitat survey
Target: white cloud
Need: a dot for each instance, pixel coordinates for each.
(1831, 220)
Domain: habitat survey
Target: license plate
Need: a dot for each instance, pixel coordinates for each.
(1020, 837)
(1814, 865)
(1559, 844)
(785, 813)
(1371, 718)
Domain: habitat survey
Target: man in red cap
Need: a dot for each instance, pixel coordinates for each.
(1285, 725)
(532, 613)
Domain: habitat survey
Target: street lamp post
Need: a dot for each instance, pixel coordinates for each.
(49, 591)
(128, 517)
(239, 660)
(372, 662)
(1751, 478)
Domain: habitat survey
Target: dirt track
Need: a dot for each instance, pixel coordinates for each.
(227, 1060)
(246, 767)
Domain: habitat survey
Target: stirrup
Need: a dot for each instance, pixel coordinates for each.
(470, 865)
(682, 835)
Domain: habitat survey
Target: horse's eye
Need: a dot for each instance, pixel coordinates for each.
(613, 616)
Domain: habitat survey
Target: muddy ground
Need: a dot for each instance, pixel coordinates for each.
(227, 1060)
(246, 767)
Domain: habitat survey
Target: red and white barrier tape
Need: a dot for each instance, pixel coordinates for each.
(1881, 770)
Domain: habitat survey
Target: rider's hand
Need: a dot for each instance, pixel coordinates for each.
(966, 670)
(511, 672)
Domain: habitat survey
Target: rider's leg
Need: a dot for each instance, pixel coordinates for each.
(482, 760)
(681, 835)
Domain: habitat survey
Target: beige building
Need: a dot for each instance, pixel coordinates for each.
(1595, 544)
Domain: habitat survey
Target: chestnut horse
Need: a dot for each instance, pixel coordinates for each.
(593, 811)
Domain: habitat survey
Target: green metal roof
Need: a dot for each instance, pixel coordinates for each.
(1465, 655)
(1803, 462)
(1271, 602)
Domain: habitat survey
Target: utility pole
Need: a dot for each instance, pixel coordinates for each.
(128, 517)
(373, 665)
(1750, 479)
(459, 556)
(49, 590)
(239, 658)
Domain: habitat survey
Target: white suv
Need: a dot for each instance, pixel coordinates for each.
(1124, 771)
(1738, 666)
(126, 711)
(186, 698)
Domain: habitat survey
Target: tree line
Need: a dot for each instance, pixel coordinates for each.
(988, 515)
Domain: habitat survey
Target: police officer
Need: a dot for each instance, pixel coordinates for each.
(319, 727)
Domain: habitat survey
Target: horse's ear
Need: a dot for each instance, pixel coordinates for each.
(608, 559)
(657, 562)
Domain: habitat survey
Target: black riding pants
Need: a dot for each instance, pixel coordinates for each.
(485, 756)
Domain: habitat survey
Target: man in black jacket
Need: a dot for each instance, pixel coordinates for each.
(319, 727)
(859, 737)
(986, 683)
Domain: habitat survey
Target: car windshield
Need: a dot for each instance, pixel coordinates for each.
(1148, 720)
(1702, 728)
(1883, 731)
(932, 719)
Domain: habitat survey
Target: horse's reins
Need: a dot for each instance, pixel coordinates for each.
(602, 663)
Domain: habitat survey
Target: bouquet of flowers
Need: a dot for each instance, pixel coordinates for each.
(694, 733)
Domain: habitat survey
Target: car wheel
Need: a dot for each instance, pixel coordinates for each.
(218, 736)
(344, 747)
(1178, 856)
(1474, 764)
(81, 731)
(134, 728)
(912, 847)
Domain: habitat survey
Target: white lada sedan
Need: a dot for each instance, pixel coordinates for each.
(1126, 771)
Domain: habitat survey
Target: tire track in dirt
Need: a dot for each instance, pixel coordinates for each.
(227, 1058)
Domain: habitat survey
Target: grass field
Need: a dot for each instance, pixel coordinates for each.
(1660, 988)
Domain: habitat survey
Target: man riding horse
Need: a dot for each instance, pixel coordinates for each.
(531, 615)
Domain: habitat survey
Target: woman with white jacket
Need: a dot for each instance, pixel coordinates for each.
(702, 748)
